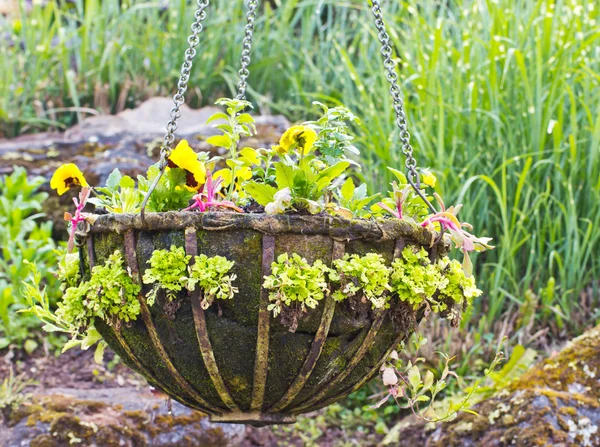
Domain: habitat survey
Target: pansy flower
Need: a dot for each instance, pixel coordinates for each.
(299, 138)
(184, 157)
(66, 177)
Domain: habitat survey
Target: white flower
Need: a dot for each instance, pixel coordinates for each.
(389, 377)
(314, 207)
(274, 208)
(283, 196)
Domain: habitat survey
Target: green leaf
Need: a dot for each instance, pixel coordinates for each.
(114, 179)
(99, 352)
(127, 182)
(261, 192)
(217, 116)
(30, 346)
(326, 176)
(220, 141)
(245, 118)
(428, 381)
(399, 175)
(284, 175)
(414, 377)
(348, 189)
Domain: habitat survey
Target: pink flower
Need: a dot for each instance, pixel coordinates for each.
(79, 216)
(205, 199)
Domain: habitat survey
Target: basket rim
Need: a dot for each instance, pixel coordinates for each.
(385, 229)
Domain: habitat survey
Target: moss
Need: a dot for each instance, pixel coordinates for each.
(552, 404)
(232, 325)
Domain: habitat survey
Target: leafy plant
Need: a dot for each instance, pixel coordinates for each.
(110, 294)
(334, 137)
(168, 272)
(119, 195)
(236, 125)
(295, 282)
(24, 238)
(352, 200)
(410, 388)
(212, 276)
(365, 278)
(12, 394)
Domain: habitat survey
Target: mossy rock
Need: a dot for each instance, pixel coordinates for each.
(61, 420)
(235, 361)
(556, 403)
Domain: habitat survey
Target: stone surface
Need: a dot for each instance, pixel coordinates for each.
(111, 417)
(556, 403)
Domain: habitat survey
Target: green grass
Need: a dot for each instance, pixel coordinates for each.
(503, 99)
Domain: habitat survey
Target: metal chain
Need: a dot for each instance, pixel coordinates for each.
(247, 49)
(179, 97)
(184, 78)
(401, 121)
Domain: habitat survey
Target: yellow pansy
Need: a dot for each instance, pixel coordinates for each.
(300, 138)
(428, 178)
(66, 177)
(184, 157)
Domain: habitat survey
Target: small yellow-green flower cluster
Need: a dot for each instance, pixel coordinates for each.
(170, 271)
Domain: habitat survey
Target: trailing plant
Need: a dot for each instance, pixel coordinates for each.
(413, 389)
(295, 285)
(110, 294)
(365, 278)
(442, 286)
(168, 272)
(212, 275)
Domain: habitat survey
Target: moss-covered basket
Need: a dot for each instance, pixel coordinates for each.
(235, 361)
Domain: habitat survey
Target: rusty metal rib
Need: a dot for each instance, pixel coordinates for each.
(131, 257)
(261, 363)
(191, 248)
(125, 346)
(317, 345)
(356, 359)
(398, 247)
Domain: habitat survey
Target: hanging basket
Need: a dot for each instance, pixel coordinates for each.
(235, 361)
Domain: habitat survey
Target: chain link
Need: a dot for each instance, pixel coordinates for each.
(244, 73)
(392, 78)
(179, 97)
(184, 78)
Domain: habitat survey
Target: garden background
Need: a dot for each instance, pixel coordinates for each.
(503, 102)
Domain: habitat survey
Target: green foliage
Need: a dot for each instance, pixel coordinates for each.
(295, 282)
(443, 285)
(168, 272)
(12, 394)
(169, 195)
(236, 125)
(23, 238)
(120, 194)
(212, 276)
(110, 294)
(334, 141)
(362, 277)
(414, 278)
(353, 199)
(456, 286)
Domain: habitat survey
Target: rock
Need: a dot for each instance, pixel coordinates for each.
(111, 417)
(556, 403)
